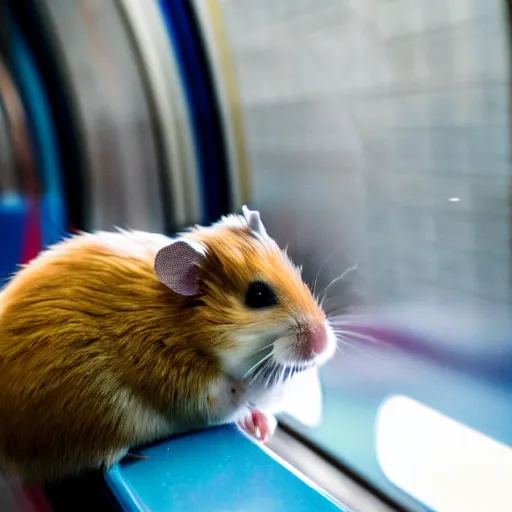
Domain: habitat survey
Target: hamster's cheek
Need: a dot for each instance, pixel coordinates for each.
(249, 350)
(285, 350)
(233, 361)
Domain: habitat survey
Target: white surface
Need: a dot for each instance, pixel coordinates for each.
(444, 464)
(304, 398)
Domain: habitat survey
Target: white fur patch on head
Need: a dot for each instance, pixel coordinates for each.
(249, 219)
(231, 221)
(137, 244)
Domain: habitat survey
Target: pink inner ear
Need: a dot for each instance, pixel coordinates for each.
(254, 220)
(176, 266)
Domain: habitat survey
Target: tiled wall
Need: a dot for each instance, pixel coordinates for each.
(381, 127)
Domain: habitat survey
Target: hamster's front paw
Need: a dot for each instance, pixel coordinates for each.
(225, 398)
(258, 424)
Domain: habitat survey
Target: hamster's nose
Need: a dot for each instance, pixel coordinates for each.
(317, 339)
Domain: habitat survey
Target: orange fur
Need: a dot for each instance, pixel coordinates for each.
(96, 355)
(235, 258)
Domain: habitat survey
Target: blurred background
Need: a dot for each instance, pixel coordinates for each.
(373, 135)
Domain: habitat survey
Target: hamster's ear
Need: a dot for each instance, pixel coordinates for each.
(254, 220)
(176, 266)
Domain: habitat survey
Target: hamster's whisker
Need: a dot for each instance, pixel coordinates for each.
(339, 321)
(346, 341)
(283, 375)
(271, 373)
(262, 372)
(323, 265)
(262, 360)
(346, 318)
(353, 344)
(357, 335)
(335, 280)
(268, 377)
(266, 370)
(339, 311)
(279, 374)
(261, 349)
(259, 370)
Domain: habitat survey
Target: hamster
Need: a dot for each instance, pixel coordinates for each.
(113, 340)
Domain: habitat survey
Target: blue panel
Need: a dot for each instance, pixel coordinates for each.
(207, 129)
(13, 216)
(53, 222)
(31, 16)
(215, 470)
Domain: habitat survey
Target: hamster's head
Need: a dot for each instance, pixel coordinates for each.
(249, 303)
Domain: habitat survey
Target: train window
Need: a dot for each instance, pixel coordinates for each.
(378, 139)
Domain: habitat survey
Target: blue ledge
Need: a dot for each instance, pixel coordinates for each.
(216, 470)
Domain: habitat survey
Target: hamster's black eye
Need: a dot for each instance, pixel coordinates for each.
(260, 295)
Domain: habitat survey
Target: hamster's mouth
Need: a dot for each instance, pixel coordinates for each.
(283, 353)
(279, 374)
(269, 371)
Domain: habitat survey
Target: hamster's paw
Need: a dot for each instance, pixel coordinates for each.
(258, 424)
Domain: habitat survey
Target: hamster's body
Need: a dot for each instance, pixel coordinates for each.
(60, 371)
(98, 355)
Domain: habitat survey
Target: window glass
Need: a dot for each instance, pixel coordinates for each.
(378, 138)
